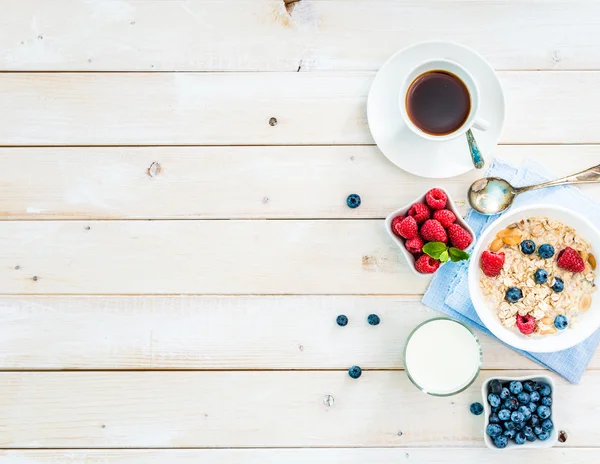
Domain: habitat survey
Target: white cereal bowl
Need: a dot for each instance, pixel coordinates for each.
(402, 212)
(587, 323)
(511, 444)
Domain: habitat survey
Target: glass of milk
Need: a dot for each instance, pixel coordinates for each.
(442, 357)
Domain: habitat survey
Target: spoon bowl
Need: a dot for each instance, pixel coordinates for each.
(491, 195)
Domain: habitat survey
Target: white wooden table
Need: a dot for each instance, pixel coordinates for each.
(175, 244)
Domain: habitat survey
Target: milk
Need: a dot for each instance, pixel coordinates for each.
(442, 357)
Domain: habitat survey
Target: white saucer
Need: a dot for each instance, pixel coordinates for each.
(406, 149)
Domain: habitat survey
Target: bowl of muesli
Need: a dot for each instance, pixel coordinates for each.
(532, 278)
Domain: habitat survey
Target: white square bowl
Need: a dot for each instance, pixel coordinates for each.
(402, 212)
(551, 441)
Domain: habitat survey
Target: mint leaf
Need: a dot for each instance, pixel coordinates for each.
(457, 255)
(434, 249)
(444, 257)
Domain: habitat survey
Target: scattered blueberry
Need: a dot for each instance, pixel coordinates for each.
(558, 285)
(342, 320)
(544, 412)
(561, 322)
(534, 421)
(509, 433)
(510, 425)
(545, 390)
(527, 247)
(534, 396)
(504, 414)
(524, 398)
(517, 417)
(519, 425)
(373, 319)
(544, 436)
(511, 403)
(547, 401)
(505, 393)
(353, 201)
(513, 294)
(525, 411)
(500, 441)
(541, 276)
(355, 372)
(493, 430)
(495, 386)
(494, 419)
(537, 430)
(532, 407)
(515, 387)
(547, 425)
(520, 438)
(546, 251)
(528, 432)
(476, 408)
(494, 400)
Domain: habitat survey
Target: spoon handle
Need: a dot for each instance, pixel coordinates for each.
(584, 177)
(478, 160)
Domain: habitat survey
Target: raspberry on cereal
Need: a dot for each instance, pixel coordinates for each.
(570, 260)
(436, 198)
(492, 263)
(445, 216)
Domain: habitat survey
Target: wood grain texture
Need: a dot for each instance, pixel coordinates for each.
(217, 333)
(559, 455)
(235, 108)
(233, 182)
(247, 35)
(256, 409)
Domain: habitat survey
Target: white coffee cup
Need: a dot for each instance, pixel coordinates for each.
(472, 121)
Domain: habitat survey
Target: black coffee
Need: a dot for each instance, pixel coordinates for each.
(438, 102)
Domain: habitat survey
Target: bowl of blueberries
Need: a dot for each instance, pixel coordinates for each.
(519, 412)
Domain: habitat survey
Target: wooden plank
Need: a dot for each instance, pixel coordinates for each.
(194, 257)
(558, 455)
(235, 109)
(256, 409)
(314, 35)
(217, 333)
(249, 182)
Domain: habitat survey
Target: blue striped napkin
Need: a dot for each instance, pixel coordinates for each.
(449, 289)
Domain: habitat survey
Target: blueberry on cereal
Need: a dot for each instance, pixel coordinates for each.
(558, 285)
(546, 251)
(561, 322)
(541, 276)
(527, 247)
(513, 294)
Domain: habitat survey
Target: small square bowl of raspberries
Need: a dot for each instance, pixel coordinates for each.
(430, 232)
(519, 412)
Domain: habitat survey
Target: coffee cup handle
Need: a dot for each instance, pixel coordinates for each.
(481, 124)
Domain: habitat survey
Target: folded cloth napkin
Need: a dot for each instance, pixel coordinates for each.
(449, 289)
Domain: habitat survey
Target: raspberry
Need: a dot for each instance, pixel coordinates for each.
(436, 199)
(526, 324)
(395, 223)
(408, 228)
(459, 237)
(432, 231)
(420, 212)
(491, 263)
(445, 216)
(570, 260)
(414, 245)
(426, 264)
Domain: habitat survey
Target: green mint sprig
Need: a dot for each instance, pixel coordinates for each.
(441, 251)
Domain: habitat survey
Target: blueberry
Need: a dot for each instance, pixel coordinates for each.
(560, 322)
(494, 400)
(528, 432)
(519, 425)
(477, 409)
(534, 421)
(509, 433)
(524, 398)
(510, 425)
(504, 414)
(513, 294)
(495, 386)
(545, 390)
(541, 276)
(534, 396)
(511, 403)
(546, 251)
(547, 401)
(532, 407)
(520, 438)
(495, 410)
(342, 320)
(537, 430)
(529, 385)
(355, 372)
(544, 436)
(558, 285)
(544, 412)
(500, 441)
(373, 319)
(517, 417)
(493, 430)
(353, 201)
(527, 247)
(515, 387)
(494, 419)
(505, 393)
(525, 411)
